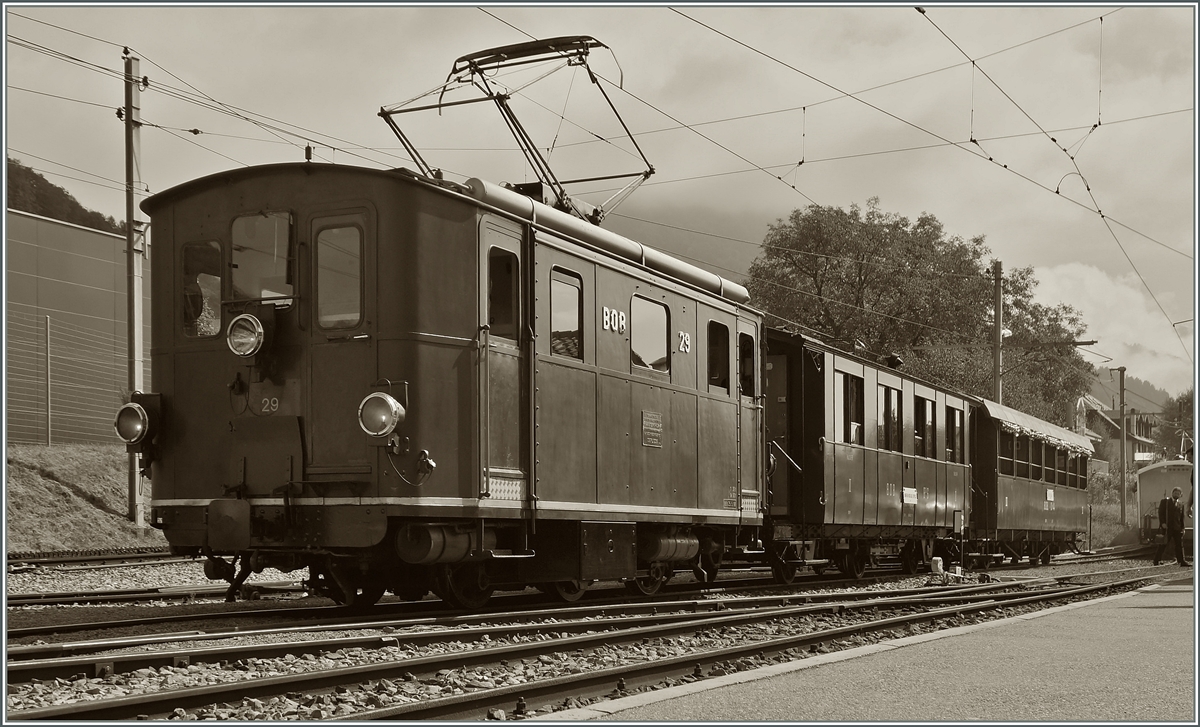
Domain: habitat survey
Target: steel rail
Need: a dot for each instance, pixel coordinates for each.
(131, 706)
(474, 706)
(355, 622)
(123, 595)
(87, 556)
(677, 594)
(20, 671)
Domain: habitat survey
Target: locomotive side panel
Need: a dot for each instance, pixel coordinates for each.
(716, 410)
(566, 396)
(428, 331)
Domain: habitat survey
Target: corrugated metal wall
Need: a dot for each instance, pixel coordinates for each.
(70, 281)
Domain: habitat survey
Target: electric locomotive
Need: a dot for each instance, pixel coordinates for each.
(403, 383)
(406, 384)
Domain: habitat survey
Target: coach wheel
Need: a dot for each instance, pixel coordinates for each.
(853, 565)
(1015, 558)
(1046, 556)
(784, 573)
(909, 560)
(465, 586)
(565, 591)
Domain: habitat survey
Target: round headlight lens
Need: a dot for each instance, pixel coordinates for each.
(379, 414)
(132, 423)
(245, 335)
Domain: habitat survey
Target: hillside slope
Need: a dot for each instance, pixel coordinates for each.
(69, 497)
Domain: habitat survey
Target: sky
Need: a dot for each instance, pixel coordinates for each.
(1065, 135)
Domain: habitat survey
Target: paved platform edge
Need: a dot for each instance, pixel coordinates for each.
(613, 706)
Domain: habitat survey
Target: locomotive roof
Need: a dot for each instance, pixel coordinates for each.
(510, 202)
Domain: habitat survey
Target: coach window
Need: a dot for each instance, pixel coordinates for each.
(339, 277)
(718, 357)
(201, 289)
(566, 314)
(648, 326)
(1035, 460)
(262, 256)
(925, 428)
(746, 367)
(1022, 456)
(890, 417)
(1081, 464)
(504, 307)
(1072, 470)
(1006, 452)
(1060, 461)
(954, 435)
(1048, 465)
(848, 407)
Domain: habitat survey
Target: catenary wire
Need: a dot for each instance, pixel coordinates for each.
(1075, 164)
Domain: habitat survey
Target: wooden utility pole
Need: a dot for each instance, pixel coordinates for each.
(1123, 441)
(134, 247)
(997, 331)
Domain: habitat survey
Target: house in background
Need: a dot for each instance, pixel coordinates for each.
(1103, 427)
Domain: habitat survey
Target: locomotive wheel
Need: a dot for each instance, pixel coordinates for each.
(710, 564)
(368, 595)
(644, 585)
(565, 591)
(465, 586)
(784, 573)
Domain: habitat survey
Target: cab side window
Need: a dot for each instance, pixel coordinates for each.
(566, 314)
(648, 326)
(746, 367)
(718, 356)
(504, 311)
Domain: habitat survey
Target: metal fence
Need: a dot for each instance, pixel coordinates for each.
(65, 382)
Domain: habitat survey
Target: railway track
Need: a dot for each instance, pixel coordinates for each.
(114, 556)
(336, 614)
(250, 591)
(465, 666)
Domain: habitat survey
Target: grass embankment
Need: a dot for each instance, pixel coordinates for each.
(70, 497)
(1106, 526)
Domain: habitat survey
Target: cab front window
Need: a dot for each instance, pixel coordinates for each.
(262, 257)
(201, 289)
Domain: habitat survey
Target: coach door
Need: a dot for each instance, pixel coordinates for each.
(342, 363)
(503, 391)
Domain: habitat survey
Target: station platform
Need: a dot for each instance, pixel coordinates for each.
(1125, 658)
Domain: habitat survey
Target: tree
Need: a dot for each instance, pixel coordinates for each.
(877, 284)
(30, 192)
(1176, 433)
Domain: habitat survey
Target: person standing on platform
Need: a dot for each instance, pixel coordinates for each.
(1170, 519)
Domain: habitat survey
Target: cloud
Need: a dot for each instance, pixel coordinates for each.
(1112, 306)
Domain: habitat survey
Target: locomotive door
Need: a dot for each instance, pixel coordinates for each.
(503, 390)
(342, 359)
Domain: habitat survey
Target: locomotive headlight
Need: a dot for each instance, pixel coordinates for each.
(132, 423)
(379, 414)
(245, 335)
